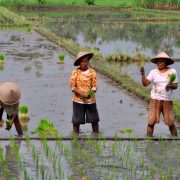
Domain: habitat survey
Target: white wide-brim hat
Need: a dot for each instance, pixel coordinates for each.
(80, 55)
(10, 93)
(164, 56)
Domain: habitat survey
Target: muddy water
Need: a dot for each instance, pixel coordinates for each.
(31, 62)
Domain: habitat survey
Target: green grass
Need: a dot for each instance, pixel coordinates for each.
(112, 3)
(103, 3)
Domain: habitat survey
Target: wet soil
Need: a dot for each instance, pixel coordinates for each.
(31, 61)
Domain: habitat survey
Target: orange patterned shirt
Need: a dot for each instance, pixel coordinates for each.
(84, 81)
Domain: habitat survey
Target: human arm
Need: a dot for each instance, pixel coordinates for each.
(73, 85)
(144, 80)
(171, 86)
(94, 81)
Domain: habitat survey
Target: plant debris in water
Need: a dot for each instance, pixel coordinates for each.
(126, 131)
(46, 127)
(61, 58)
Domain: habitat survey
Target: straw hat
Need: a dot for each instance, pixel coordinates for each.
(164, 56)
(9, 93)
(80, 55)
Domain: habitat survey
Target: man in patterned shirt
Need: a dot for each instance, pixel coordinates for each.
(83, 84)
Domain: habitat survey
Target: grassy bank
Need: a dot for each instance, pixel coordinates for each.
(152, 4)
(54, 3)
(9, 18)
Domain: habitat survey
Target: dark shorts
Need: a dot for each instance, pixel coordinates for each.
(84, 113)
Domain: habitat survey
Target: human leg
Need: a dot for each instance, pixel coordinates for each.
(92, 116)
(150, 130)
(76, 128)
(169, 117)
(78, 116)
(173, 130)
(155, 107)
(18, 125)
(95, 127)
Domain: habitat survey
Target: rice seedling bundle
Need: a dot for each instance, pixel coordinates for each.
(46, 127)
(23, 117)
(61, 59)
(172, 78)
(91, 94)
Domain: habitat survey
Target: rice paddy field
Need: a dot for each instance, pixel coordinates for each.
(121, 151)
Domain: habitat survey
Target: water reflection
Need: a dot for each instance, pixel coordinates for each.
(10, 158)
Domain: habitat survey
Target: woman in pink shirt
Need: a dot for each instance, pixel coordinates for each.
(161, 94)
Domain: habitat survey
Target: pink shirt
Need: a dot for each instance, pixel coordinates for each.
(160, 81)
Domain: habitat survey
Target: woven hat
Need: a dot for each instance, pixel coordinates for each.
(80, 55)
(164, 56)
(9, 93)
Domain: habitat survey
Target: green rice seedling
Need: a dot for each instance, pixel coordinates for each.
(37, 161)
(25, 174)
(126, 131)
(42, 171)
(2, 58)
(45, 127)
(60, 172)
(23, 116)
(61, 59)
(70, 177)
(91, 94)
(172, 78)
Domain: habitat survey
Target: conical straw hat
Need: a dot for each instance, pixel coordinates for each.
(164, 56)
(9, 93)
(80, 55)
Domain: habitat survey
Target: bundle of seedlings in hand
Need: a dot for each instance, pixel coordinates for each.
(2, 58)
(23, 117)
(91, 94)
(61, 59)
(46, 127)
(172, 78)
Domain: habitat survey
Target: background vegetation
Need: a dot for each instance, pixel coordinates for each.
(159, 4)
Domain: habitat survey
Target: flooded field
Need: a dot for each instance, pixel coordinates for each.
(89, 159)
(110, 32)
(31, 61)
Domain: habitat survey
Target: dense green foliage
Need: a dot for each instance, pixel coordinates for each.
(45, 127)
(23, 109)
(160, 4)
(113, 3)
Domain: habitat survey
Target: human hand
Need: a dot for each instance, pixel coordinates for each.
(83, 94)
(169, 87)
(142, 70)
